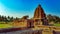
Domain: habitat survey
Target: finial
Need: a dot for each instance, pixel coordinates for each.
(39, 5)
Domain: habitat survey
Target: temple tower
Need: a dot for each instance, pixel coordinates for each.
(40, 16)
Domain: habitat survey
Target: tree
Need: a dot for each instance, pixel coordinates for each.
(5, 20)
(8, 18)
(0, 17)
(11, 19)
(57, 19)
(53, 18)
(50, 18)
(25, 17)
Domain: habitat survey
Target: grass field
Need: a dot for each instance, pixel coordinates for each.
(56, 24)
(9, 25)
(5, 26)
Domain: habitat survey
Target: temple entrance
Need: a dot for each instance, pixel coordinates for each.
(30, 25)
(44, 22)
(38, 22)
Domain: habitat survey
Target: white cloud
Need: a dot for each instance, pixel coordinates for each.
(8, 12)
(2, 9)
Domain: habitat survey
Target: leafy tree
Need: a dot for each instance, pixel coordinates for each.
(53, 18)
(11, 19)
(5, 20)
(0, 17)
(25, 17)
(8, 17)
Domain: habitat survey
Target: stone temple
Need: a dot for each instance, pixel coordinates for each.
(39, 21)
(37, 25)
(39, 18)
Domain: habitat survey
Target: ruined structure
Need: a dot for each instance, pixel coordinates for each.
(36, 25)
(39, 18)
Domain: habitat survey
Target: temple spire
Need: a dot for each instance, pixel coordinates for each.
(39, 5)
(39, 12)
(39, 16)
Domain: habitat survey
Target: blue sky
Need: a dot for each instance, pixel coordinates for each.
(19, 8)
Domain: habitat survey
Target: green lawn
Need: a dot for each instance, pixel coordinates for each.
(56, 24)
(9, 25)
(5, 26)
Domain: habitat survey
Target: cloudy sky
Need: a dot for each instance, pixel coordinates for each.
(19, 8)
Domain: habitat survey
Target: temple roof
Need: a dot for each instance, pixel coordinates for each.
(39, 12)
